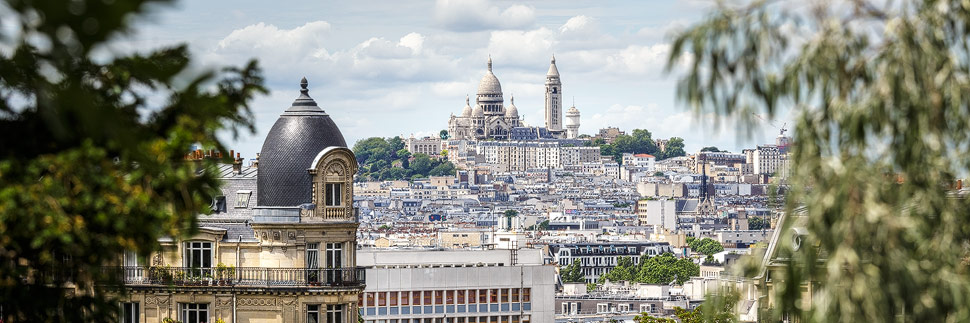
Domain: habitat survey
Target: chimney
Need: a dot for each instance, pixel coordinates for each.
(237, 165)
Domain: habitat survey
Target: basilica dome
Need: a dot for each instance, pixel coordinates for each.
(511, 111)
(467, 111)
(300, 133)
(489, 83)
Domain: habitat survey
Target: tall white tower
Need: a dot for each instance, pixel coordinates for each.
(553, 98)
(572, 122)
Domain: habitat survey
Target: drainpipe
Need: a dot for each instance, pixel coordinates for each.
(238, 265)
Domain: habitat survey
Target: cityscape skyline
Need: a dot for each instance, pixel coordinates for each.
(392, 63)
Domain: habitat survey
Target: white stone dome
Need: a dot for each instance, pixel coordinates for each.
(489, 83)
(511, 111)
(467, 111)
(478, 111)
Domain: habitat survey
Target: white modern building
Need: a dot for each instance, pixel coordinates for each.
(658, 213)
(766, 159)
(460, 286)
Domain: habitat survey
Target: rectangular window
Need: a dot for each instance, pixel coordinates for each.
(482, 296)
(370, 299)
(405, 299)
(461, 297)
(505, 295)
(526, 295)
(195, 313)
(313, 262)
(437, 297)
(198, 255)
(242, 198)
(493, 296)
(335, 313)
(427, 297)
(472, 296)
(333, 194)
(129, 312)
(381, 298)
(334, 261)
(515, 295)
(313, 314)
(392, 298)
(450, 297)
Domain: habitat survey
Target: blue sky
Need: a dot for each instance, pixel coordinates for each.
(402, 67)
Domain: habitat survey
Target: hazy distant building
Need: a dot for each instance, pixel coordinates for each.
(430, 146)
(572, 123)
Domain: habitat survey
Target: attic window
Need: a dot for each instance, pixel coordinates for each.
(242, 198)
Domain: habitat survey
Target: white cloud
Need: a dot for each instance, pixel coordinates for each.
(579, 25)
(478, 15)
(522, 48)
(637, 59)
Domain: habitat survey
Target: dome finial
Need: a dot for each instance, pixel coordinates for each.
(303, 86)
(512, 98)
(554, 58)
(489, 62)
(467, 100)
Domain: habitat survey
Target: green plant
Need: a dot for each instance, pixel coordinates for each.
(170, 320)
(220, 320)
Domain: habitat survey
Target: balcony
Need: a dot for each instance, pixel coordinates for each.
(239, 277)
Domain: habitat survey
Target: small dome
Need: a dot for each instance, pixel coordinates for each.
(300, 133)
(467, 111)
(511, 111)
(478, 112)
(489, 83)
(572, 111)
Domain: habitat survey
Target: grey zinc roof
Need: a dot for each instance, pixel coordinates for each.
(291, 145)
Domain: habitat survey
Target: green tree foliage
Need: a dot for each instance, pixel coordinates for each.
(89, 168)
(443, 134)
(674, 148)
(572, 273)
(387, 159)
(705, 246)
(710, 149)
(879, 98)
(699, 314)
(758, 223)
(639, 142)
(661, 269)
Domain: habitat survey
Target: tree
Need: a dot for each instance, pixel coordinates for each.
(572, 273)
(443, 169)
(443, 134)
(758, 223)
(623, 271)
(89, 166)
(421, 164)
(878, 91)
(371, 150)
(395, 143)
(674, 148)
(711, 149)
(705, 246)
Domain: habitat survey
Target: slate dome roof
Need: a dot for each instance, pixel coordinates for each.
(301, 132)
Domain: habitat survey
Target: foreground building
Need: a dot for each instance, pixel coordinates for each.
(458, 286)
(279, 246)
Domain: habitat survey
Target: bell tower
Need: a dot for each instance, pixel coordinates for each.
(553, 98)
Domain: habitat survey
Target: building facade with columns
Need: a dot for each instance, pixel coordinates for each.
(279, 246)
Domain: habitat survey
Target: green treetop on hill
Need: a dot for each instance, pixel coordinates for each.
(387, 159)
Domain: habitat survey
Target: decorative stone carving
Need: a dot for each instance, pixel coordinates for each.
(276, 235)
(264, 235)
(291, 235)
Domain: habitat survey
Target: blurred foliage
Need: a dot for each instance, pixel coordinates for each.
(386, 159)
(759, 223)
(879, 94)
(89, 168)
(697, 315)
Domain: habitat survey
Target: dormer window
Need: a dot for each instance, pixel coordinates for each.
(333, 197)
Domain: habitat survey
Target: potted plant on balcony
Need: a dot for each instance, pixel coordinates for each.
(207, 279)
(230, 274)
(313, 277)
(179, 278)
(221, 273)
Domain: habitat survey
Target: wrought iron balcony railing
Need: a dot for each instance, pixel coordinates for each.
(241, 276)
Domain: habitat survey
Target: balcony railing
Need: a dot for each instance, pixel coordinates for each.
(241, 276)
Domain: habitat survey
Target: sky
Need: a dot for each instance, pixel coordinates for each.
(388, 68)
